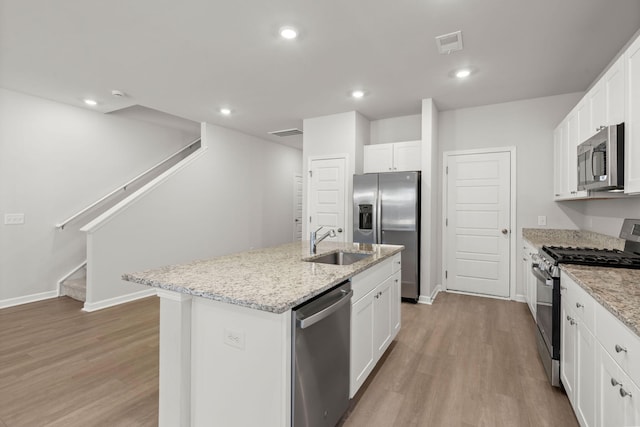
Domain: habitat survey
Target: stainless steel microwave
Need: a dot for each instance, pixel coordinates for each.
(601, 160)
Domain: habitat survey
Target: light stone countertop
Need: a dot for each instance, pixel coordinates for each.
(574, 238)
(617, 289)
(273, 279)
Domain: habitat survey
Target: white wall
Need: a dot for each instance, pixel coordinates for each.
(396, 129)
(430, 258)
(236, 196)
(527, 125)
(606, 215)
(54, 160)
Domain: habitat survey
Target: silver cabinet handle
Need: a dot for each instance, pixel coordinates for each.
(572, 322)
(339, 230)
(578, 305)
(624, 393)
(615, 382)
(568, 317)
(504, 231)
(620, 348)
(563, 288)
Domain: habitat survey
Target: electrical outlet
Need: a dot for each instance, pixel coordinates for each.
(14, 219)
(234, 338)
(542, 220)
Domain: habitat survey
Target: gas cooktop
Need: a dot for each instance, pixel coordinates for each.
(592, 256)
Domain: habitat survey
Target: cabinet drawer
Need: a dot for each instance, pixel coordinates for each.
(579, 301)
(366, 281)
(396, 263)
(583, 306)
(619, 341)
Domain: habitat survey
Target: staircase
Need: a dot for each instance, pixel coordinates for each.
(74, 284)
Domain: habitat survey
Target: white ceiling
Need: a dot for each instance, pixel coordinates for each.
(188, 58)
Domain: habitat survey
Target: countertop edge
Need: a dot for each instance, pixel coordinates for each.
(276, 309)
(603, 302)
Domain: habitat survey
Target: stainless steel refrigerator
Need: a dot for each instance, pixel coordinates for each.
(386, 209)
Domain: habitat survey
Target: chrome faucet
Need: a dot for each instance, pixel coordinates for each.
(314, 239)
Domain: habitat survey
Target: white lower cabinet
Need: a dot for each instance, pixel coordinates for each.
(375, 318)
(618, 403)
(598, 382)
(529, 281)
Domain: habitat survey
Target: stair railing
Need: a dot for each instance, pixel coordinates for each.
(123, 187)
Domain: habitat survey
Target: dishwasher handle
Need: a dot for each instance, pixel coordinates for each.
(323, 314)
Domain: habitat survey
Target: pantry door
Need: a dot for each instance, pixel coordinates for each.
(327, 193)
(477, 223)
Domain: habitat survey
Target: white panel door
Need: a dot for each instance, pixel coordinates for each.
(478, 223)
(327, 191)
(297, 207)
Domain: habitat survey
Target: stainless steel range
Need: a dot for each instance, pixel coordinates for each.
(546, 269)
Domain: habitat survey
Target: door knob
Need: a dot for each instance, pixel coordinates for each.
(505, 231)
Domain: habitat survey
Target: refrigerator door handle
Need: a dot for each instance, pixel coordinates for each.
(378, 218)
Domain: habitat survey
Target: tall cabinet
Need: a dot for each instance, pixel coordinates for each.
(632, 129)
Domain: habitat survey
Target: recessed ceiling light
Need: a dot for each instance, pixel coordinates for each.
(288, 33)
(357, 94)
(225, 111)
(464, 73)
(91, 102)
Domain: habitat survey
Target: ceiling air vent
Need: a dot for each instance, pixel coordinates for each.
(286, 132)
(449, 43)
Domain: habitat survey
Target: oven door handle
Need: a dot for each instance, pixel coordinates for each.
(548, 281)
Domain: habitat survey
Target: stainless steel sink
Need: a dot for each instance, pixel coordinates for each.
(339, 258)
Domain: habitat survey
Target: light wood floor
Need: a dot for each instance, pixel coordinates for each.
(464, 361)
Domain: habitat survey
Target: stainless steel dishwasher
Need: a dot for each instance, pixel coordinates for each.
(320, 359)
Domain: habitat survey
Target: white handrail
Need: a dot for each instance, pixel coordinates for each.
(124, 186)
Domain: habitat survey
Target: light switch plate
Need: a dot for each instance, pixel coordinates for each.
(13, 219)
(542, 220)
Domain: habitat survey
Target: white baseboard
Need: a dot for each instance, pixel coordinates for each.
(519, 298)
(11, 302)
(94, 306)
(478, 295)
(431, 298)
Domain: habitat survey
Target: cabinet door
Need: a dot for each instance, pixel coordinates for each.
(559, 169)
(407, 156)
(585, 391)
(617, 403)
(598, 100)
(583, 111)
(614, 83)
(632, 122)
(395, 304)
(378, 158)
(568, 350)
(571, 135)
(363, 350)
(382, 317)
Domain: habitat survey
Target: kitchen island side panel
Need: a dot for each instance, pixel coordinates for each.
(240, 366)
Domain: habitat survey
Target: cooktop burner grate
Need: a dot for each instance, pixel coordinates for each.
(593, 256)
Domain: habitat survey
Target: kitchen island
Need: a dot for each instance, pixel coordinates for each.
(225, 328)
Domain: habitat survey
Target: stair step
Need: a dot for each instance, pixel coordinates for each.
(75, 288)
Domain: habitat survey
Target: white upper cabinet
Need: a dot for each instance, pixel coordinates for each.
(632, 122)
(394, 157)
(378, 158)
(566, 140)
(614, 81)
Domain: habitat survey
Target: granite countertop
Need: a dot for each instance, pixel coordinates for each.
(617, 289)
(574, 238)
(272, 279)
